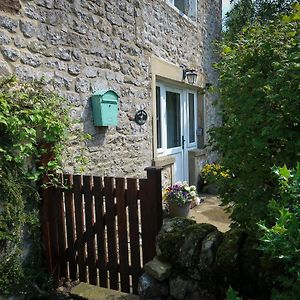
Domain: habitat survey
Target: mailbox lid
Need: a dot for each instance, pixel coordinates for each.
(106, 96)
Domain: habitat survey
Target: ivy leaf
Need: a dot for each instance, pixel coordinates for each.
(284, 172)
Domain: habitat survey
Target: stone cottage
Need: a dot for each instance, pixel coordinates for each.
(147, 51)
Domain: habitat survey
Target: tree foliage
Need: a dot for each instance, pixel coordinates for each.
(282, 239)
(259, 103)
(246, 12)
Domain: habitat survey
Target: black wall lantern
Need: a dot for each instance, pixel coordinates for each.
(191, 75)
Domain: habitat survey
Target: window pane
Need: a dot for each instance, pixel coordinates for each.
(192, 137)
(179, 4)
(158, 117)
(173, 119)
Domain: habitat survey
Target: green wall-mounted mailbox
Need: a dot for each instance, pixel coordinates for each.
(105, 108)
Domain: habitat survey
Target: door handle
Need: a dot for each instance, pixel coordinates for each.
(182, 141)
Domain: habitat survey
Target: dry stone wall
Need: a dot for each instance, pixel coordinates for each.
(198, 262)
(80, 46)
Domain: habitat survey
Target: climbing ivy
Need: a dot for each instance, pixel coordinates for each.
(35, 131)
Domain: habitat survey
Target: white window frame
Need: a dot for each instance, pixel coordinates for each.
(192, 12)
(193, 144)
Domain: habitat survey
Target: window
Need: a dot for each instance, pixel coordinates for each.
(173, 119)
(187, 7)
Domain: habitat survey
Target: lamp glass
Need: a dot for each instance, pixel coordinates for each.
(191, 77)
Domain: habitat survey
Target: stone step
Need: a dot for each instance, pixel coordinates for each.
(92, 292)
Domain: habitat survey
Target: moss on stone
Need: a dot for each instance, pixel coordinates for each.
(227, 264)
(177, 224)
(169, 245)
(200, 230)
(190, 250)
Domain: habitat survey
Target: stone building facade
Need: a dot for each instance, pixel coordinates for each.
(138, 49)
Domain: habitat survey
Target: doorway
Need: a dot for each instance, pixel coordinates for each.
(176, 122)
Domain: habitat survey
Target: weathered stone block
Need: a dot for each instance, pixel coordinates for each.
(191, 248)
(62, 81)
(171, 238)
(8, 24)
(25, 72)
(56, 64)
(27, 28)
(114, 19)
(4, 38)
(77, 55)
(184, 288)
(31, 60)
(63, 54)
(20, 42)
(33, 12)
(10, 53)
(46, 76)
(158, 269)
(209, 249)
(228, 256)
(91, 72)
(37, 47)
(82, 85)
(45, 3)
(92, 292)
(80, 27)
(4, 69)
(55, 18)
(74, 69)
(149, 287)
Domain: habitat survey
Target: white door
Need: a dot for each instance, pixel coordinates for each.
(176, 126)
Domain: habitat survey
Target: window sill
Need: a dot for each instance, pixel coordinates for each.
(163, 161)
(182, 14)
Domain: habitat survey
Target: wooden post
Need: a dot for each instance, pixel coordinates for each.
(151, 211)
(155, 190)
(45, 227)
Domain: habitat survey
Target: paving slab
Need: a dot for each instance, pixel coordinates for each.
(91, 292)
(210, 211)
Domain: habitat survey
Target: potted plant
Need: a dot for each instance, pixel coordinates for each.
(210, 175)
(179, 197)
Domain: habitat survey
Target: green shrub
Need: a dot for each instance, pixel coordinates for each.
(282, 240)
(232, 294)
(259, 104)
(35, 127)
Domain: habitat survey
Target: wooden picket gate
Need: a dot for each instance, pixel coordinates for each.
(102, 230)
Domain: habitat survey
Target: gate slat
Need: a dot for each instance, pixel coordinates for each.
(134, 232)
(61, 231)
(146, 219)
(80, 245)
(68, 179)
(90, 219)
(53, 228)
(100, 230)
(111, 233)
(122, 234)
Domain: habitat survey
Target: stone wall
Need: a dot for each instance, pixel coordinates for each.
(80, 46)
(198, 262)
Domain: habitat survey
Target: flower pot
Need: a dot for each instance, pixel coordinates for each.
(177, 210)
(211, 189)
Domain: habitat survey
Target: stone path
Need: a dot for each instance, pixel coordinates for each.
(91, 292)
(211, 212)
